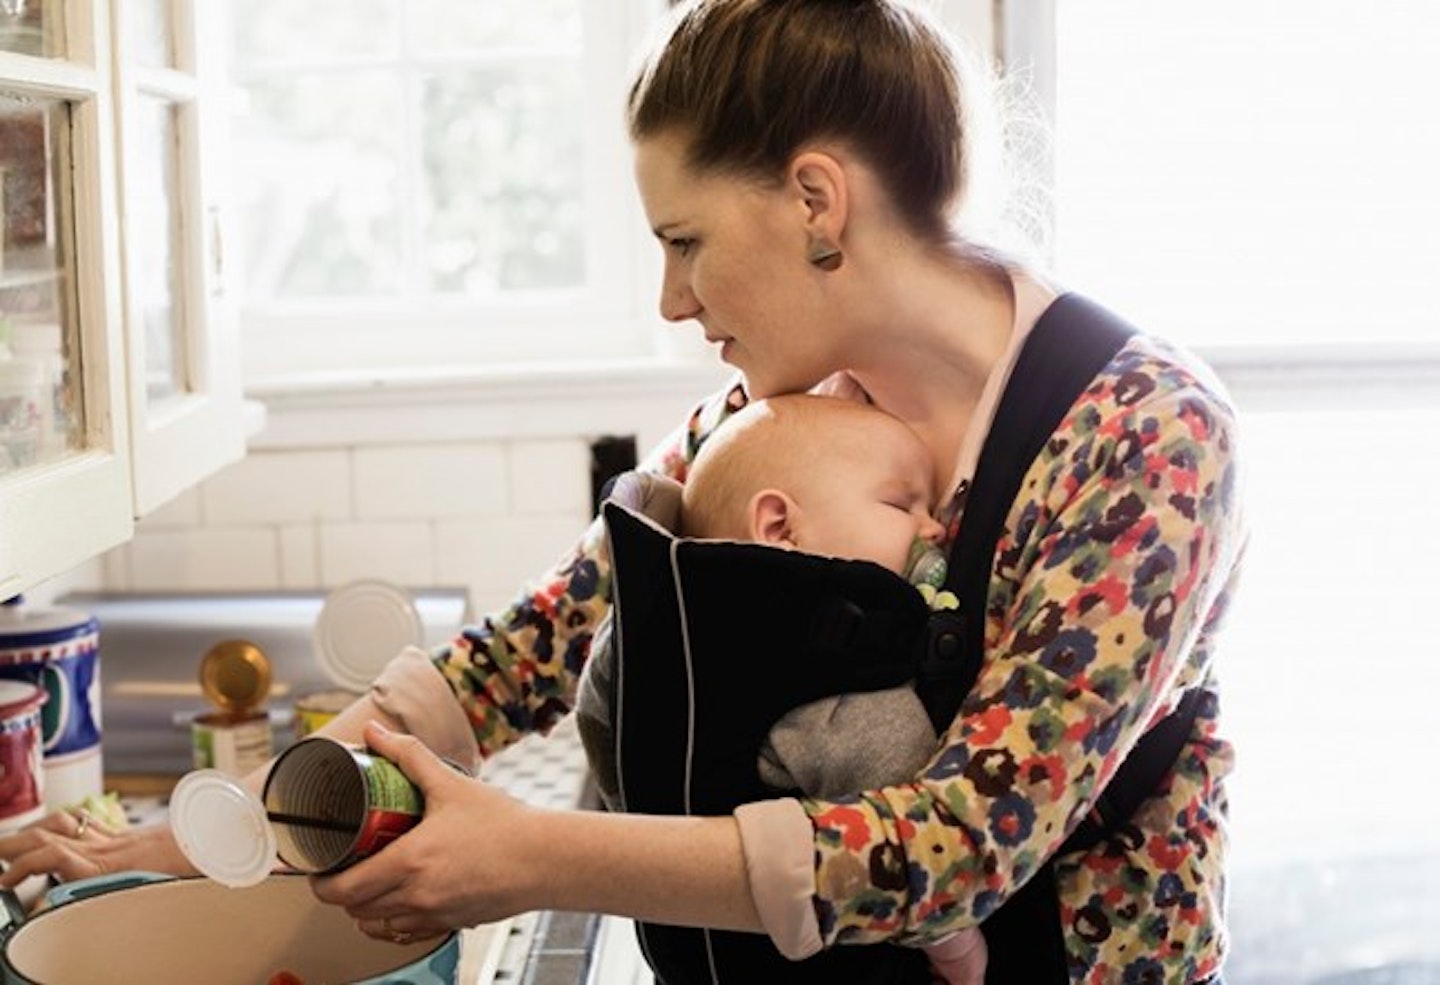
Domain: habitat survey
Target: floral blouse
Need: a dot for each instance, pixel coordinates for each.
(1110, 581)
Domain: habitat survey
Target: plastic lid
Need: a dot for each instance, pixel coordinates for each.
(235, 676)
(22, 624)
(361, 626)
(222, 828)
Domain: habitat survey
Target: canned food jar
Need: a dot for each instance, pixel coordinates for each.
(313, 711)
(237, 738)
(332, 804)
(58, 650)
(231, 743)
(325, 805)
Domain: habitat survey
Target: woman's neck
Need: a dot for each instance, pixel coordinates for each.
(933, 340)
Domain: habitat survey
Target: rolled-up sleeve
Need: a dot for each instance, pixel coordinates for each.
(779, 845)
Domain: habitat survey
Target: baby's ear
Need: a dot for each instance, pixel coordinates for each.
(771, 516)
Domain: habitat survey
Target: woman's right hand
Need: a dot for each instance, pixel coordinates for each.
(60, 845)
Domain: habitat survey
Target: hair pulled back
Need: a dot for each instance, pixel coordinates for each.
(748, 83)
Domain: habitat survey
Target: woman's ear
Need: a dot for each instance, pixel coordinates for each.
(821, 185)
(770, 518)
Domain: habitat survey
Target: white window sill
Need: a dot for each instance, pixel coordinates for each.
(648, 397)
(644, 397)
(1330, 377)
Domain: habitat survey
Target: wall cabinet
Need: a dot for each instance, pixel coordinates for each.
(119, 379)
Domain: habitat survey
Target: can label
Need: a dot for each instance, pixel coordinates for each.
(233, 744)
(394, 805)
(332, 804)
(314, 710)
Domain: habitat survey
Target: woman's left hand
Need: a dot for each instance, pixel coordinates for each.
(66, 846)
(464, 864)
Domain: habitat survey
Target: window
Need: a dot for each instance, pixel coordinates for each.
(1262, 160)
(430, 181)
(1254, 178)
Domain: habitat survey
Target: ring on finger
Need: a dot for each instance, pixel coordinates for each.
(82, 825)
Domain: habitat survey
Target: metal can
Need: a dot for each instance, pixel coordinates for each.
(314, 710)
(237, 744)
(236, 738)
(333, 804)
(325, 805)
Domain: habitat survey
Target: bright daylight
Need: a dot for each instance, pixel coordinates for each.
(714, 492)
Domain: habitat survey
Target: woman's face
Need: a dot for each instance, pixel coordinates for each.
(735, 263)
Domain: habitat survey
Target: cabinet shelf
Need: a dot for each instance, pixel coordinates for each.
(17, 279)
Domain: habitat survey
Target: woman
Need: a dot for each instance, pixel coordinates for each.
(802, 164)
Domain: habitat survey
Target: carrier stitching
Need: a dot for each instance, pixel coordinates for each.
(689, 719)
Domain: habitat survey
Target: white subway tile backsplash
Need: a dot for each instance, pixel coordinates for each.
(492, 557)
(550, 476)
(485, 514)
(280, 487)
(412, 481)
(245, 558)
(401, 552)
(299, 556)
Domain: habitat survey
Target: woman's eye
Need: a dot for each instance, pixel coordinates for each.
(682, 245)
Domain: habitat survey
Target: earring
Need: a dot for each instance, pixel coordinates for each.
(825, 254)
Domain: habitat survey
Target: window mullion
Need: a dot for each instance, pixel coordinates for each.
(411, 160)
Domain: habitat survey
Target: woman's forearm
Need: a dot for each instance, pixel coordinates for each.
(688, 871)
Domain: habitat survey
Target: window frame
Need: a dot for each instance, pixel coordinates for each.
(610, 317)
(1356, 374)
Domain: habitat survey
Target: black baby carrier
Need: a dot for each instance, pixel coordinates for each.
(714, 642)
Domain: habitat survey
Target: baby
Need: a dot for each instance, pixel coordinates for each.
(826, 476)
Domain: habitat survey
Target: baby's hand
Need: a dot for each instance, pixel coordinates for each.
(959, 960)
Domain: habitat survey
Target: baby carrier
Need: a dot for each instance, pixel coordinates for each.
(714, 642)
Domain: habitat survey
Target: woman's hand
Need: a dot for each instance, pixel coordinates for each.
(960, 960)
(69, 846)
(479, 855)
(462, 865)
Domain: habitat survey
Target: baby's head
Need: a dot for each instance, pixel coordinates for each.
(819, 474)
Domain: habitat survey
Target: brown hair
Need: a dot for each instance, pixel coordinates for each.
(750, 82)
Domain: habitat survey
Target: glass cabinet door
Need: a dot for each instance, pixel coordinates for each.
(180, 329)
(32, 27)
(64, 448)
(41, 415)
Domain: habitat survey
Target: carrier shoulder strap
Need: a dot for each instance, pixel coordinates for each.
(1073, 340)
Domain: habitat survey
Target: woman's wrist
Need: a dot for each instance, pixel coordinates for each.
(686, 871)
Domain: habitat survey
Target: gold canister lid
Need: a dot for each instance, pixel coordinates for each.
(235, 676)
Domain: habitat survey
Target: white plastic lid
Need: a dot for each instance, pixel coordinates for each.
(22, 624)
(361, 626)
(222, 828)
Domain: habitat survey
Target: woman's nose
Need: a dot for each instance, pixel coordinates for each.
(677, 301)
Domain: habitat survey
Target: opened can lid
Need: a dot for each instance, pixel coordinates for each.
(222, 828)
(235, 676)
(362, 626)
